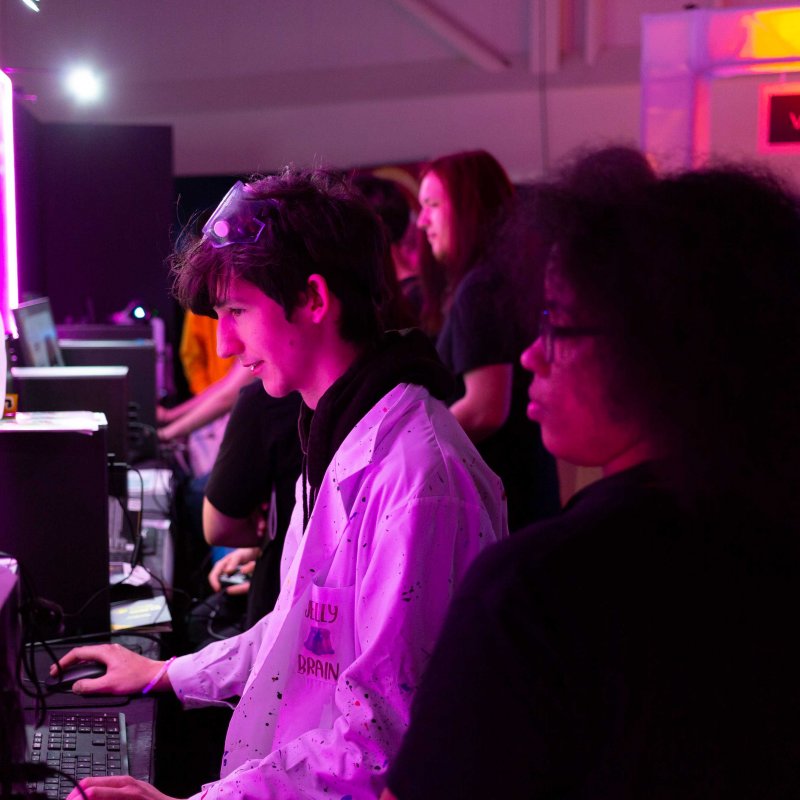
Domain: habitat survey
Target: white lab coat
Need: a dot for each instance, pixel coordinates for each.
(326, 679)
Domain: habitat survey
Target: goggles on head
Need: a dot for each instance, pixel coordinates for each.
(236, 218)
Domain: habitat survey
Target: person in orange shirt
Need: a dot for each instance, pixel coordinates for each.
(198, 352)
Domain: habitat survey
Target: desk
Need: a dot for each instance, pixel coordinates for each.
(140, 712)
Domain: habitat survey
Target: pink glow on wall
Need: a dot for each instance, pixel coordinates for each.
(683, 51)
(9, 291)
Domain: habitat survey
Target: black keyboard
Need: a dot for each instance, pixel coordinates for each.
(81, 744)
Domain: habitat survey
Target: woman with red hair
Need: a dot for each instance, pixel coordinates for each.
(469, 305)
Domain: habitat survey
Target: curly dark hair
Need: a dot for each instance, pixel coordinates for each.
(546, 212)
(316, 224)
(695, 279)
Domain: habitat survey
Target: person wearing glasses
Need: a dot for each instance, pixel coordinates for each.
(393, 502)
(642, 643)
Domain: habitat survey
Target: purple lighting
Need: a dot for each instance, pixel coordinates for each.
(9, 292)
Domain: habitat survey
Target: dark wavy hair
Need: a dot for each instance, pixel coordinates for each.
(317, 224)
(696, 280)
(480, 194)
(606, 174)
(524, 242)
(388, 201)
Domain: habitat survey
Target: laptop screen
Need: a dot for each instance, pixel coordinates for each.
(38, 339)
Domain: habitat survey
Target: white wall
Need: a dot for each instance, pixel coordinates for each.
(507, 124)
(734, 124)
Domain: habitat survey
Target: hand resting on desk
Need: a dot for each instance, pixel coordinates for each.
(126, 672)
(116, 787)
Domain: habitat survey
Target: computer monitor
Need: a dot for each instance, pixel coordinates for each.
(79, 389)
(38, 340)
(102, 330)
(138, 355)
(12, 729)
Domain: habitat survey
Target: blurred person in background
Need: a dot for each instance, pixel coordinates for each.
(470, 302)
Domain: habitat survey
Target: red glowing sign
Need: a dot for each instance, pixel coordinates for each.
(779, 118)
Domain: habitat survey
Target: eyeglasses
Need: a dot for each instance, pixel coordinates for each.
(548, 333)
(236, 218)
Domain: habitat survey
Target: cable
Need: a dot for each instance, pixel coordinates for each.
(210, 626)
(137, 534)
(544, 139)
(34, 611)
(134, 529)
(197, 605)
(170, 493)
(82, 637)
(159, 580)
(92, 597)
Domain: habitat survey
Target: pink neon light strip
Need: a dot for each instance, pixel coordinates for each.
(9, 297)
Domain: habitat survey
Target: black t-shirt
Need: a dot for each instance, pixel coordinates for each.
(260, 450)
(482, 328)
(617, 651)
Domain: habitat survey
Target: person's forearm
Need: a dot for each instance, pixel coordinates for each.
(221, 530)
(474, 419)
(199, 415)
(215, 401)
(169, 415)
(486, 404)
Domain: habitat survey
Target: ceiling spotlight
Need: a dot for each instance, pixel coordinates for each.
(84, 85)
(32, 4)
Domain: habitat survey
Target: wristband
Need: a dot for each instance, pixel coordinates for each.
(158, 676)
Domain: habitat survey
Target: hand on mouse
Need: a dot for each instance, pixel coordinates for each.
(126, 672)
(63, 680)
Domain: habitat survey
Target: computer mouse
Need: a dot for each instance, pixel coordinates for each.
(76, 672)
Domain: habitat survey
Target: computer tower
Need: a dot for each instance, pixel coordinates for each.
(12, 729)
(152, 331)
(55, 514)
(103, 389)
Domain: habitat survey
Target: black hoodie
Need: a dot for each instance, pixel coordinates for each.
(399, 357)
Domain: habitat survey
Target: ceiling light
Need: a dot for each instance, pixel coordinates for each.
(84, 85)
(32, 4)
